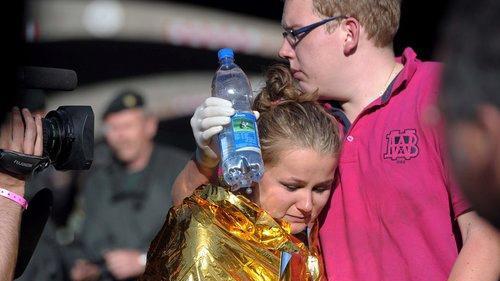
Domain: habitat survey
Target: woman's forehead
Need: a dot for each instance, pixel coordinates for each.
(302, 161)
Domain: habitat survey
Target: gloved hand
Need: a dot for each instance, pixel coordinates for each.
(207, 121)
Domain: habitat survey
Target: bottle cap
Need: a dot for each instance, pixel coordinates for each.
(225, 53)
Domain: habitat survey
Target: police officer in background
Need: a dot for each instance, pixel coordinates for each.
(126, 195)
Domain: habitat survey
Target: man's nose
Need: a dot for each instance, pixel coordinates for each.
(286, 51)
(114, 135)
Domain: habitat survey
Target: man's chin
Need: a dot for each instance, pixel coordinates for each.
(302, 85)
(307, 87)
(124, 157)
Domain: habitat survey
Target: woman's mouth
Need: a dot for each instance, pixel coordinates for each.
(296, 219)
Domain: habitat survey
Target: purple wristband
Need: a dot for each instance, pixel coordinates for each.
(14, 197)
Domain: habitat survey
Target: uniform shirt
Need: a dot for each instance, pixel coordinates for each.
(392, 213)
(125, 210)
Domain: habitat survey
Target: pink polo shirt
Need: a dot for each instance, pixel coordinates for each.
(392, 214)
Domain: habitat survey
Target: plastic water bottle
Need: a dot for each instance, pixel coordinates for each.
(241, 159)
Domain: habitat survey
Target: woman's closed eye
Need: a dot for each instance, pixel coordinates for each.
(291, 186)
(322, 188)
(318, 189)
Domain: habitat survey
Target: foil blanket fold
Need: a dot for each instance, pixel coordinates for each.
(217, 235)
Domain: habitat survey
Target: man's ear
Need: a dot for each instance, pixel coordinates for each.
(352, 29)
(477, 140)
(488, 117)
(151, 126)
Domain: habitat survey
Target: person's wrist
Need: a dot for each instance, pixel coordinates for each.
(208, 170)
(204, 161)
(12, 184)
(14, 197)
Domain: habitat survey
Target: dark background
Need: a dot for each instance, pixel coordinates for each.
(95, 61)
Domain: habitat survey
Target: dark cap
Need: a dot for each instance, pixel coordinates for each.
(126, 99)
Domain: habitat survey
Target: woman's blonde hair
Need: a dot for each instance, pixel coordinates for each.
(291, 119)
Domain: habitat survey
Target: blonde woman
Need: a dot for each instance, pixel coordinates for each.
(270, 234)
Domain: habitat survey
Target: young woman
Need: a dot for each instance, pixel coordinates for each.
(270, 234)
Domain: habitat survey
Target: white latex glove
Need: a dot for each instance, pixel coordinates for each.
(207, 121)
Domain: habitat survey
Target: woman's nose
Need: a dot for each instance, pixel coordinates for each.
(305, 203)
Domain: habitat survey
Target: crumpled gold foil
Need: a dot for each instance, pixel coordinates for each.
(216, 235)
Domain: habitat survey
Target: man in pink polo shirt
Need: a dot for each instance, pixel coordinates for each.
(395, 209)
(395, 213)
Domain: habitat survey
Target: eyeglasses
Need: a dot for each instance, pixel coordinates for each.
(294, 36)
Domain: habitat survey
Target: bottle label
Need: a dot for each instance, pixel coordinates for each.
(245, 132)
(224, 147)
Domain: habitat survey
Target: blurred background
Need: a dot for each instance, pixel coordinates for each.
(167, 49)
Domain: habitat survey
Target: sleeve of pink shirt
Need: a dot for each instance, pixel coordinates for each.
(460, 204)
(432, 120)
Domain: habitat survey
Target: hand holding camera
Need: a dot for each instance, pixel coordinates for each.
(21, 133)
(68, 140)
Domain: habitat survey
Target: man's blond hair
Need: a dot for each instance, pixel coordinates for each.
(380, 18)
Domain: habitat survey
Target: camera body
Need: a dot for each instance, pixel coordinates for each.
(68, 143)
(68, 132)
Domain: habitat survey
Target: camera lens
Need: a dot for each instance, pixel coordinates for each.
(53, 135)
(68, 137)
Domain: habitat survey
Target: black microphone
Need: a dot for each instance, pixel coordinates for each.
(46, 78)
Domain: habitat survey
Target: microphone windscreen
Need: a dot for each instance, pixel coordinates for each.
(46, 78)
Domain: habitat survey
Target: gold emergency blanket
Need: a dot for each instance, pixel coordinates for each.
(216, 235)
